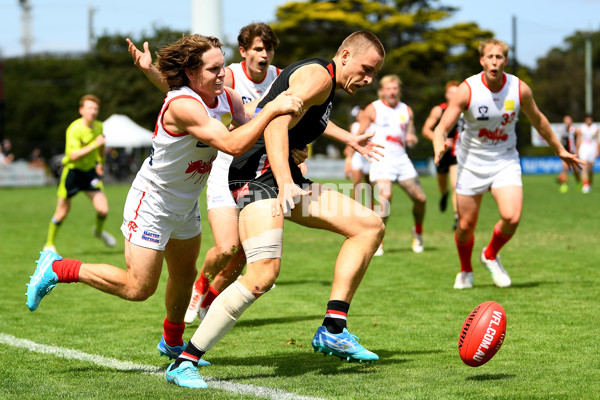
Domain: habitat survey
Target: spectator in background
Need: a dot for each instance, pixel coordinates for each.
(35, 158)
(7, 153)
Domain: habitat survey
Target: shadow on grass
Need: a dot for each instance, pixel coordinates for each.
(304, 282)
(405, 250)
(490, 377)
(304, 363)
(281, 320)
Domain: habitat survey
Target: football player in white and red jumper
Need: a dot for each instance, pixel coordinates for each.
(392, 122)
(487, 158)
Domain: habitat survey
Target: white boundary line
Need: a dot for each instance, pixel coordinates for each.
(238, 388)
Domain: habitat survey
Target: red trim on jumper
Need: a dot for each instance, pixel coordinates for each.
(278, 71)
(229, 100)
(232, 77)
(164, 110)
(330, 69)
(519, 91)
(485, 84)
(243, 64)
(470, 94)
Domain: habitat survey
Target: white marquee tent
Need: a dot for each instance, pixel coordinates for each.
(122, 131)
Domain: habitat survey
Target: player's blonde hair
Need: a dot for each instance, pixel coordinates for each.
(360, 41)
(186, 53)
(494, 42)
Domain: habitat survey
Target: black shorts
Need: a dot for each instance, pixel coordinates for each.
(74, 180)
(446, 161)
(263, 187)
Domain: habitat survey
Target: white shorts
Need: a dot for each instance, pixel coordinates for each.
(359, 163)
(396, 170)
(471, 182)
(147, 223)
(217, 186)
(588, 153)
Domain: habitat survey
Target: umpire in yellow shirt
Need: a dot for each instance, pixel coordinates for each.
(83, 170)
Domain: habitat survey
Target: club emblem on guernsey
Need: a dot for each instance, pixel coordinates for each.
(483, 113)
(199, 168)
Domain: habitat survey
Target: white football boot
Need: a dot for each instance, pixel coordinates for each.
(499, 274)
(464, 280)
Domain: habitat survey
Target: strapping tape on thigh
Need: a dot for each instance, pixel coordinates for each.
(266, 245)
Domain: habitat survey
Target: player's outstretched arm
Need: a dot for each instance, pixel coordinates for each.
(540, 122)
(358, 142)
(143, 60)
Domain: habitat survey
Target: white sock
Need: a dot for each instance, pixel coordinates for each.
(222, 315)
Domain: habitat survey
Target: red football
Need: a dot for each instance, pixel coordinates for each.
(482, 334)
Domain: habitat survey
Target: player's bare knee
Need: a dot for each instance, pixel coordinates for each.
(140, 293)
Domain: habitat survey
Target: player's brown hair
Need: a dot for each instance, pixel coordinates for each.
(360, 41)
(450, 84)
(172, 60)
(90, 97)
(261, 30)
(495, 42)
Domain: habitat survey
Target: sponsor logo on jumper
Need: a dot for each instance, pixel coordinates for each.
(495, 136)
(394, 139)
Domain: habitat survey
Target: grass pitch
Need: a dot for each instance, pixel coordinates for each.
(405, 310)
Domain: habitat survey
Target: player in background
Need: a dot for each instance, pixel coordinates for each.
(161, 219)
(356, 167)
(393, 124)
(570, 138)
(250, 78)
(447, 165)
(588, 151)
(83, 171)
(267, 183)
(488, 159)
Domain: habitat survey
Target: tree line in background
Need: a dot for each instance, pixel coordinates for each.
(41, 92)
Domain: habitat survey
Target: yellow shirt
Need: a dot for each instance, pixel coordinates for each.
(80, 135)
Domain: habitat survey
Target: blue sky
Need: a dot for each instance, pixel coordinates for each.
(62, 25)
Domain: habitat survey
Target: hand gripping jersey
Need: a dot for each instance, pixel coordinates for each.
(254, 165)
(490, 119)
(390, 127)
(175, 172)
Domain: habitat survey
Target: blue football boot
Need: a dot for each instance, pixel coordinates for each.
(343, 345)
(43, 279)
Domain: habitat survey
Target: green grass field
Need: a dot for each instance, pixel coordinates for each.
(405, 310)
